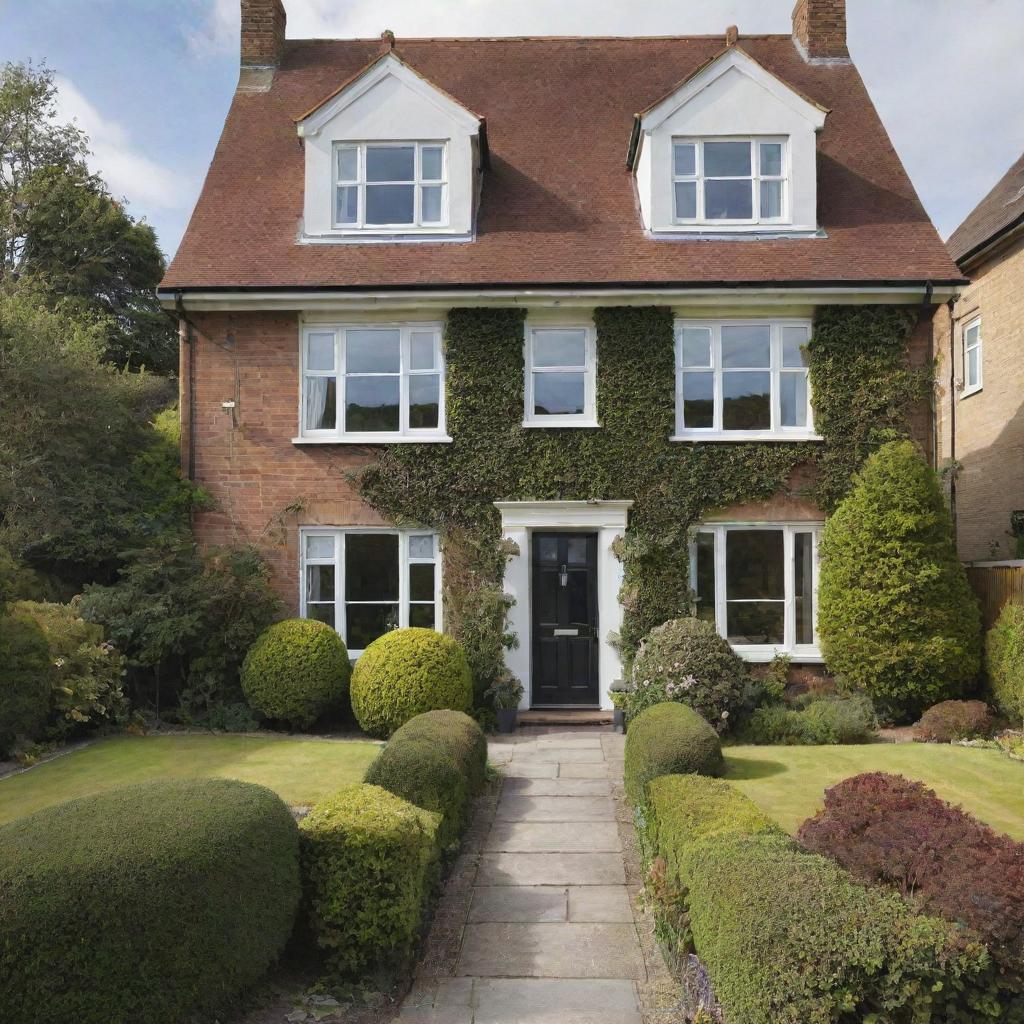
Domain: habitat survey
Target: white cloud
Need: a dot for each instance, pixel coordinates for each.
(217, 30)
(127, 172)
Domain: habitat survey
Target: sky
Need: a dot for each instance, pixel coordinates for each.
(150, 81)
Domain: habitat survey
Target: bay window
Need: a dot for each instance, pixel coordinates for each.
(365, 583)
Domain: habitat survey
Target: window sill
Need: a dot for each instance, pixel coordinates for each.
(744, 435)
(799, 654)
(561, 422)
(400, 235)
(967, 392)
(375, 439)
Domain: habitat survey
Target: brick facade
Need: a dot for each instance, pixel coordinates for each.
(263, 31)
(819, 28)
(989, 424)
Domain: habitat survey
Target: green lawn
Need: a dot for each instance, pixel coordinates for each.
(301, 770)
(788, 782)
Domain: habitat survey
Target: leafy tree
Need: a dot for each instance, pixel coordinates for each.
(897, 617)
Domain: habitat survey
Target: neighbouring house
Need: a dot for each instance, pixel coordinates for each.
(591, 331)
(979, 342)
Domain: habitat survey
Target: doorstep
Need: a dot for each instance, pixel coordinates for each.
(565, 716)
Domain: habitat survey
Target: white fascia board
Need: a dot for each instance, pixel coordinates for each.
(742, 62)
(565, 515)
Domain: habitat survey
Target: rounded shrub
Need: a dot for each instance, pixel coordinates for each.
(686, 661)
(26, 679)
(1004, 660)
(295, 671)
(954, 720)
(457, 733)
(406, 672)
(669, 739)
(157, 903)
(897, 617)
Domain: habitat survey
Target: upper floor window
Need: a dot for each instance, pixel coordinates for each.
(972, 357)
(561, 375)
(742, 379)
(401, 184)
(373, 383)
(729, 180)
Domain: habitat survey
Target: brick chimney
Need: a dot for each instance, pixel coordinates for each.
(819, 29)
(263, 24)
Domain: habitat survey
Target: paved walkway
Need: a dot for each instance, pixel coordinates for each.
(537, 922)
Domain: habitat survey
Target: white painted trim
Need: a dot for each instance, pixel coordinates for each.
(972, 389)
(568, 515)
(375, 439)
(586, 419)
(698, 436)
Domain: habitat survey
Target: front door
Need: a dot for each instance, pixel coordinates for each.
(565, 644)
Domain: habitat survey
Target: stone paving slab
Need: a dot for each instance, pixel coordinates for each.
(519, 904)
(560, 755)
(551, 869)
(555, 1001)
(563, 742)
(556, 787)
(551, 951)
(555, 808)
(583, 771)
(553, 837)
(600, 903)
(530, 769)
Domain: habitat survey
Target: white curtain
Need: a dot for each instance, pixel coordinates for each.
(316, 401)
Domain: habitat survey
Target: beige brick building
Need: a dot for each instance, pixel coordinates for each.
(979, 345)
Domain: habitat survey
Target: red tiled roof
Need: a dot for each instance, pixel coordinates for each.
(999, 211)
(559, 206)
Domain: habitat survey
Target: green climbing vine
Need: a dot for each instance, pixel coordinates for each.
(863, 388)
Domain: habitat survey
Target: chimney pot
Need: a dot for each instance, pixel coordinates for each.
(732, 35)
(263, 28)
(819, 29)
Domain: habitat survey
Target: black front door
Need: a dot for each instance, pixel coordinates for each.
(564, 619)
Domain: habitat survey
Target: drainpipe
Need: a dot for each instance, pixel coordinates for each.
(179, 305)
(950, 305)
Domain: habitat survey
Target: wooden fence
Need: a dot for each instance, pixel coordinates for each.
(995, 583)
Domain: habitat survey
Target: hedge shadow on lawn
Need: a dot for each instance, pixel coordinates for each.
(751, 767)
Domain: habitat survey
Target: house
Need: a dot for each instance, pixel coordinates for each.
(979, 341)
(476, 325)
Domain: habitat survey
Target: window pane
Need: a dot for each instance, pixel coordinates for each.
(433, 163)
(753, 565)
(727, 159)
(728, 200)
(698, 400)
(756, 622)
(319, 582)
(319, 547)
(746, 401)
(704, 583)
(559, 394)
(320, 352)
(546, 549)
(971, 335)
(422, 350)
(771, 159)
(422, 616)
(366, 622)
(321, 612)
(696, 346)
(747, 346)
(793, 352)
(430, 209)
(371, 567)
(421, 546)
(793, 396)
(424, 400)
(348, 163)
(373, 351)
(371, 403)
(348, 204)
(390, 163)
(972, 366)
(321, 403)
(421, 581)
(576, 550)
(686, 200)
(559, 348)
(803, 586)
(771, 198)
(685, 158)
(389, 204)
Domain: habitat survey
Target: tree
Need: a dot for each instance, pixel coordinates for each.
(897, 617)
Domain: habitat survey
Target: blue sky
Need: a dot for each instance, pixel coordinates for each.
(151, 80)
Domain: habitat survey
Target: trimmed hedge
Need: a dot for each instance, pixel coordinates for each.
(296, 671)
(406, 672)
(151, 903)
(954, 720)
(668, 739)
(459, 734)
(822, 721)
(26, 678)
(1004, 660)
(368, 863)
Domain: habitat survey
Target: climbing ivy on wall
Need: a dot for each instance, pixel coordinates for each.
(863, 391)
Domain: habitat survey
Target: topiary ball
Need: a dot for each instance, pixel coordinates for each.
(405, 673)
(295, 671)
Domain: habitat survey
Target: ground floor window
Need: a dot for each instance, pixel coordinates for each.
(365, 583)
(757, 582)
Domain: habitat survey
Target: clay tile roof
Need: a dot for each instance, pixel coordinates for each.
(1000, 211)
(559, 206)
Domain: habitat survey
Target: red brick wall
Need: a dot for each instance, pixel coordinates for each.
(263, 28)
(819, 26)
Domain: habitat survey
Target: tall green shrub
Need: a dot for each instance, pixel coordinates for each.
(897, 617)
(26, 677)
(1004, 660)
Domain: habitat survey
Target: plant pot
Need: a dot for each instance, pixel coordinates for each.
(507, 718)
(619, 720)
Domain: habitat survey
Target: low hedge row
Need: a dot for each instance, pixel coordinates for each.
(157, 903)
(788, 936)
(821, 721)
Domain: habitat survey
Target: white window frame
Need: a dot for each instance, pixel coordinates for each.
(765, 652)
(405, 433)
(338, 534)
(755, 178)
(360, 183)
(588, 418)
(976, 346)
(716, 432)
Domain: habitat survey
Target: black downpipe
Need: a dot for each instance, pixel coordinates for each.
(950, 305)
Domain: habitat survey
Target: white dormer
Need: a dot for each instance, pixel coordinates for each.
(732, 150)
(391, 157)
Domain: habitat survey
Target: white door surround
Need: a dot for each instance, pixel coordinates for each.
(608, 519)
